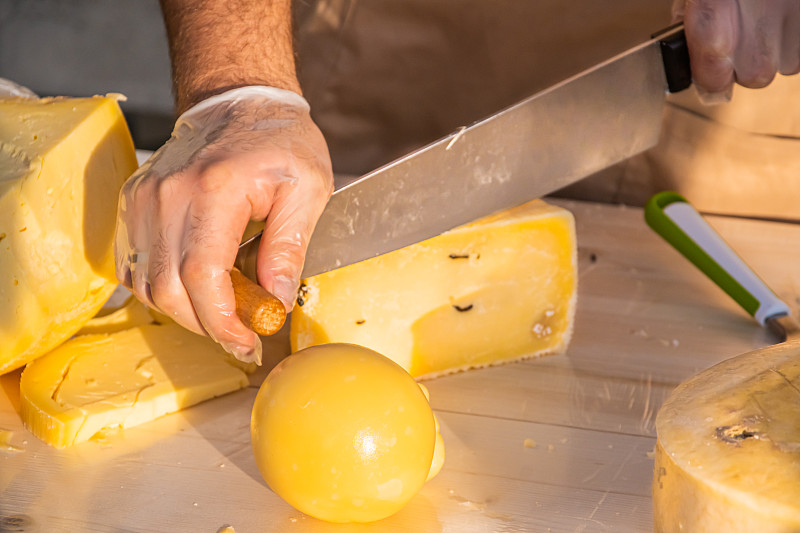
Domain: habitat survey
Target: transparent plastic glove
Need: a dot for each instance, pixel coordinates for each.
(739, 41)
(10, 89)
(250, 153)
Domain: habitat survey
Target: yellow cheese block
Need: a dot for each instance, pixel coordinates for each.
(728, 452)
(496, 290)
(62, 163)
(95, 383)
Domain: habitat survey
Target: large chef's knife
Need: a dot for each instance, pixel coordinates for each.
(537, 146)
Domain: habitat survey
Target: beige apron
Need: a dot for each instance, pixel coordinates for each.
(387, 76)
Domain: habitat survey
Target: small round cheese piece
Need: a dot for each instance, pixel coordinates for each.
(343, 433)
(728, 452)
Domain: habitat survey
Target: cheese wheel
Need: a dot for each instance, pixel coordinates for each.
(728, 451)
(344, 434)
(62, 164)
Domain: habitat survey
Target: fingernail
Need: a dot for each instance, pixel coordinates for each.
(284, 288)
(245, 354)
(716, 98)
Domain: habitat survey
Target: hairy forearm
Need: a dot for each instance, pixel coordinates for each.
(216, 45)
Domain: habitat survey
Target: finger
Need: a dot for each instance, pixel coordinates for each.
(213, 229)
(140, 279)
(167, 291)
(148, 223)
(711, 28)
(132, 240)
(281, 256)
(122, 266)
(123, 237)
(287, 232)
(790, 44)
(757, 56)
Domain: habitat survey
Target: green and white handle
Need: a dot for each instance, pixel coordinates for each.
(672, 217)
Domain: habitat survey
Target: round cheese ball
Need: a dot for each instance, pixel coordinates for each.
(343, 433)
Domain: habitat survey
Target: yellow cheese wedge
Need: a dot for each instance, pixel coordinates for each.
(94, 383)
(496, 290)
(728, 452)
(62, 163)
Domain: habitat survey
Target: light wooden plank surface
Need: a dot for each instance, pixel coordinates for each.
(646, 321)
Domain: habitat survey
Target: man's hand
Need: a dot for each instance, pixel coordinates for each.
(10, 89)
(248, 154)
(739, 41)
(244, 148)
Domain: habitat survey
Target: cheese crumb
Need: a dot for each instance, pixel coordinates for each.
(5, 442)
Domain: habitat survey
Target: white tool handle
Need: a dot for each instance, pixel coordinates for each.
(672, 217)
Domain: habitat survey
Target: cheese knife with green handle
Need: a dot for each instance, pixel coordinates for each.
(671, 216)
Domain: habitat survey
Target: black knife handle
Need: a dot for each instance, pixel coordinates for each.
(675, 54)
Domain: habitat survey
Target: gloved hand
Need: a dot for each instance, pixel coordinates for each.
(249, 153)
(10, 89)
(739, 41)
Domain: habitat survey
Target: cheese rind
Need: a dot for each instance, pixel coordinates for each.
(62, 163)
(728, 452)
(499, 289)
(344, 434)
(93, 383)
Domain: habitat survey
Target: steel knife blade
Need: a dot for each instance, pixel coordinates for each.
(551, 139)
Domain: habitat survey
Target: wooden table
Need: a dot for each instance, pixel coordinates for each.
(562, 443)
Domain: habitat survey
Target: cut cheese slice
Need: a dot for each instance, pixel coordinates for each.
(496, 290)
(62, 164)
(95, 383)
(130, 314)
(728, 452)
(133, 313)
